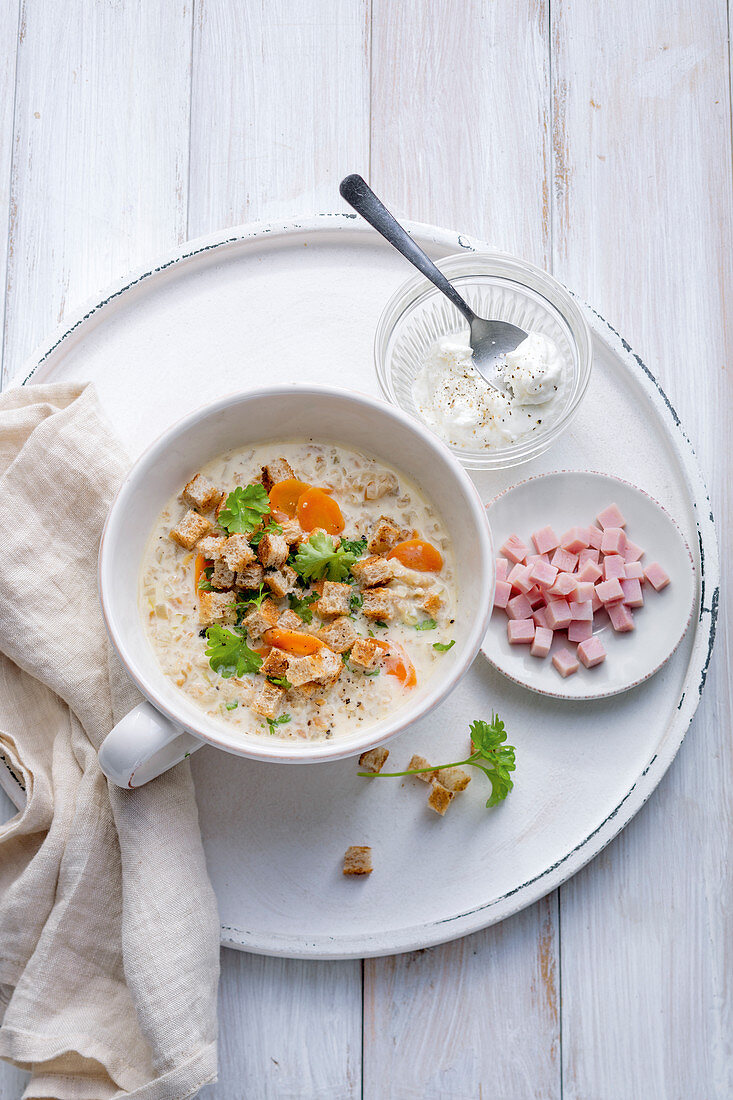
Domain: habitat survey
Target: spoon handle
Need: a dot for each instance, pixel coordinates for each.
(359, 195)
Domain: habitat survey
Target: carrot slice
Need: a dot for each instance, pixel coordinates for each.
(317, 509)
(397, 663)
(418, 554)
(284, 496)
(292, 641)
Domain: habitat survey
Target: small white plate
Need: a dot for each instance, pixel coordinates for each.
(574, 498)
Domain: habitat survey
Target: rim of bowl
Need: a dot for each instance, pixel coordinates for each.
(512, 269)
(273, 751)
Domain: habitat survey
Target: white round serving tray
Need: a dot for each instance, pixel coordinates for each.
(300, 302)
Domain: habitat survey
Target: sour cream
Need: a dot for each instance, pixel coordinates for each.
(463, 409)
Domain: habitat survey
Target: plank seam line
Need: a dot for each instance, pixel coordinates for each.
(10, 192)
(190, 122)
(371, 88)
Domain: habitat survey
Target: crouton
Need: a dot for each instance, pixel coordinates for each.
(364, 654)
(289, 621)
(374, 760)
(358, 860)
(190, 529)
(453, 779)
(440, 798)
(335, 599)
(259, 619)
(420, 762)
(292, 532)
(237, 553)
(431, 603)
(217, 607)
(339, 635)
(322, 667)
(282, 581)
(212, 547)
(380, 485)
(272, 551)
(278, 470)
(252, 576)
(383, 536)
(378, 604)
(222, 577)
(275, 664)
(201, 494)
(267, 700)
(373, 571)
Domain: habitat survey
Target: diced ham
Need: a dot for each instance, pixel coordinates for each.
(584, 591)
(565, 662)
(591, 651)
(594, 537)
(545, 540)
(575, 540)
(580, 631)
(532, 559)
(614, 566)
(502, 593)
(596, 602)
(519, 607)
(634, 571)
(565, 585)
(543, 573)
(622, 620)
(613, 541)
(542, 642)
(540, 617)
(519, 578)
(520, 631)
(611, 517)
(591, 571)
(610, 591)
(633, 596)
(632, 552)
(502, 569)
(558, 614)
(589, 554)
(581, 612)
(564, 560)
(536, 598)
(514, 549)
(656, 576)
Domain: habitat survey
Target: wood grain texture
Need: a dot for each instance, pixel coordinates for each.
(9, 25)
(643, 230)
(280, 108)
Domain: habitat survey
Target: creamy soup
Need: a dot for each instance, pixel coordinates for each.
(299, 590)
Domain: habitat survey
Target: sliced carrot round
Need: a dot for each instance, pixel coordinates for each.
(317, 509)
(291, 641)
(396, 663)
(418, 554)
(284, 496)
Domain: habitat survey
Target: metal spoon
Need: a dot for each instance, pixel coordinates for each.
(490, 340)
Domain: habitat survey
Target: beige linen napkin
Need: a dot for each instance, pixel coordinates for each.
(108, 926)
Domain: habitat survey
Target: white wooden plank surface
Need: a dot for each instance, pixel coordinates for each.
(643, 230)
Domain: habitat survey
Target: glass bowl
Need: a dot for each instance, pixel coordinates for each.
(495, 285)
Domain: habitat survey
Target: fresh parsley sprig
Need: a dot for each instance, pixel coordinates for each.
(443, 647)
(271, 529)
(491, 756)
(426, 624)
(355, 546)
(319, 558)
(272, 722)
(301, 605)
(244, 509)
(229, 654)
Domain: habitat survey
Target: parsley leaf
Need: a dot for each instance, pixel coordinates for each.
(355, 602)
(229, 654)
(250, 597)
(318, 558)
(443, 647)
(233, 705)
(271, 529)
(354, 546)
(426, 624)
(280, 681)
(272, 722)
(244, 509)
(301, 606)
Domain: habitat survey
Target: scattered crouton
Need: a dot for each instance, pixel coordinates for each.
(378, 604)
(420, 762)
(259, 619)
(453, 779)
(282, 581)
(212, 547)
(383, 536)
(201, 494)
(292, 532)
(358, 860)
(272, 551)
(217, 607)
(238, 553)
(374, 760)
(432, 603)
(440, 798)
(323, 667)
(373, 571)
(335, 599)
(267, 700)
(275, 664)
(364, 654)
(289, 621)
(278, 470)
(190, 529)
(380, 485)
(251, 576)
(222, 576)
(339, 634)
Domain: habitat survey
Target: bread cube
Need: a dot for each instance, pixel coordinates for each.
(267, 700)
(275, 664)
(453, 779)
(383, 536)
(237, 553)
(217, 607)
(290, 621)
(358, 860)
(259, 619)
(212, 547)
(190, 529)
(339, 635)
(335, 599)
(272, 551)
(432, 603)
(374, 759)
(278, 470)
(201, 494)
(222, 576)
(252, 576)
(378, 604)
(364, 654)
(281, 581)
(440, 798)
(420, 762)
(373, 571)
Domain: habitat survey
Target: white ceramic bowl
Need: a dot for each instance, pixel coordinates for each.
(154, 737)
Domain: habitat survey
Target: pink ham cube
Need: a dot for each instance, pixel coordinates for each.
(591, 651)
(565, 585)
(589, 554)
(580, 632)
(632, 593)
(611, 517)
(540, 617)
(520, 631)
(614, 566)
(564, 560)
(545, 540)
(594, 537)
(532, 559)
(632, 552)
(565, 662)
(575, 540)
(543, 573)
(622, 619)
(502, 593)
(610, 591)
(519, 578)
(519, 607)
(558, 614)
(536, 598)
(597, 602)
(584, 591)
(542, 642)
(634, 571)
(514, 549)
(581, 612)
(656, 576)
(591, 571)
(502, 569)
(613, 541)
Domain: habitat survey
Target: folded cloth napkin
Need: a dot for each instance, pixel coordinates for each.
(108, 927)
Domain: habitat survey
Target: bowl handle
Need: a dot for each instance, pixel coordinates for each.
(142, 745)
